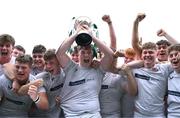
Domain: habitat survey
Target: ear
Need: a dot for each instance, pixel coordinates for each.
(156, 53)
(12, 48)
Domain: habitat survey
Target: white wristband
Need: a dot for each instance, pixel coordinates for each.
(37, 99)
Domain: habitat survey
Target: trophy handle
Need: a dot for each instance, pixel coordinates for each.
(83, 20)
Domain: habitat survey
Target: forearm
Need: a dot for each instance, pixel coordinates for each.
(66, 44)
(135, 40)
(107, 60)
(170, 39)
(102, 46)
(42, 101)
(135, 64)
(112, 36)
(61, 55)
(135, 35)
(23, 90)
(132, 85)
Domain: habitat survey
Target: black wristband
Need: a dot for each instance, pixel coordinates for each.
(110, 22)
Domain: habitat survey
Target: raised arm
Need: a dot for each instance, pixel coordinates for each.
(107, 60)
(135, 35)
(107, 19)
(62, 57)
(161, 33)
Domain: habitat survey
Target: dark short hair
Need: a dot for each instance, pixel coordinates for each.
(74, 49)
(163, 42)
(25, 59)
(92, 47)
(175, 47)
(49, 54)
(39, 49)
(85, 47)
(21, 48)
(6, 38)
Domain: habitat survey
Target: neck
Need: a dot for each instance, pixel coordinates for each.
(149, 66)
(56, 72)
(84, 65)
(177, 71)
(5, 60)
(163, 59)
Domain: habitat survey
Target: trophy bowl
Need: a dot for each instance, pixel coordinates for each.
(83, 38)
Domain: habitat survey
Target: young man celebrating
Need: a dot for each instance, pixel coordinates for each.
(6, 47)
(173, 82)
(80, 93)
(152, 84)
(13, 104)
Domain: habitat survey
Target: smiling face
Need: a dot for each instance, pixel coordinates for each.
(38, 54)
(149, 57)
(38, 60)
(162, 46)
(17, 52)
(162, 54)
(74, 57)
(149, 54)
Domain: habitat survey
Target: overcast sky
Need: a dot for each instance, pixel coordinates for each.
(46, 22)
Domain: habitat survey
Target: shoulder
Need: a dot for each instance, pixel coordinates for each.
(13, 60)
(31, 77)
(43, 75)
(3, 78)
(71, 64)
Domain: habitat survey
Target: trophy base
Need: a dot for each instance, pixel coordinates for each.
(83, 39)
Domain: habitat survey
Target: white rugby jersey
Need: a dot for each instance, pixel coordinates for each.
(110, 95)
(80, 93)
(13, 104)
(53, 85)
(152, 87)
(174, 95)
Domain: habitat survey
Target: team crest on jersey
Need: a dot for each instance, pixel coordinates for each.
(77, 82)
(142, 76)
(56, 87)
(104, 87)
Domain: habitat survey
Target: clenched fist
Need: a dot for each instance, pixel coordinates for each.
(106, 18)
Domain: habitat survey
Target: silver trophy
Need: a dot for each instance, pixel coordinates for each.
(83, 38)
